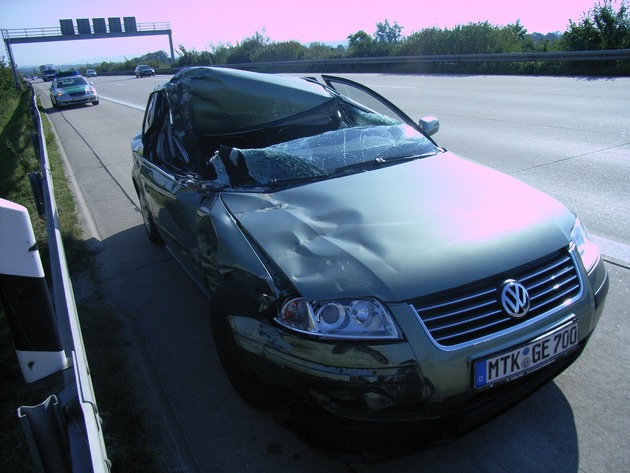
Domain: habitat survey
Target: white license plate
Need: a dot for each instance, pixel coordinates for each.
(516, 363)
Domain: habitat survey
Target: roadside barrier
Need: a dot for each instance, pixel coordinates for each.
(407, 63)
(64, 433)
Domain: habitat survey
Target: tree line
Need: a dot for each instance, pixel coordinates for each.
(605, 26)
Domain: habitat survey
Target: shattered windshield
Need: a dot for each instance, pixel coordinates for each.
(321, 156)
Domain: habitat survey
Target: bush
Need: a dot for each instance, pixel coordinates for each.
(600, 28)
(7, 85)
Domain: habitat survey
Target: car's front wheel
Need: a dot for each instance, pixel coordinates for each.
(242, 376)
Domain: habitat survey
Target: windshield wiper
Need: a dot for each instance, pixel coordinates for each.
(380, 161)
(280, 183)
(410, 157)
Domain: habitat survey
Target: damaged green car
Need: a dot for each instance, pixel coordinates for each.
(351, 259)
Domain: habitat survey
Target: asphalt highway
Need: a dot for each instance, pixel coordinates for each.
(569, 137)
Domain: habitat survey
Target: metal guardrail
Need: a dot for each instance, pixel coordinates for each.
(323, 64)
(601, 55)
(80, 424)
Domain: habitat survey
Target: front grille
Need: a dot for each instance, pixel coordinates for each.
(475, 311)
(78, 94)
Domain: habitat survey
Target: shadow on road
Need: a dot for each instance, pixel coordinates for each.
(537, 435)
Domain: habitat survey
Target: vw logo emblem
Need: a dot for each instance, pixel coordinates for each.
(514, 299)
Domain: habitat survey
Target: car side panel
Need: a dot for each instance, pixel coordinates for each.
(174, 208)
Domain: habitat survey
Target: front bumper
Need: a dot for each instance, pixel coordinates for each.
(63, 101)
(384, 384)
(409, 380)
(355, 381)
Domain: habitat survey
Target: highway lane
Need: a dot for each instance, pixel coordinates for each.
(577, 423)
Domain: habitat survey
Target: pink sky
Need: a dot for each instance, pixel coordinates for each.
(199, 24)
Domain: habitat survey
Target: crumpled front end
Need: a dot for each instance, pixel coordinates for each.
(408, 380)
(330, 244)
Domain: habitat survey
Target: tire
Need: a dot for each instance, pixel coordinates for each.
(149, 225)
(242, 376)
(96, 102)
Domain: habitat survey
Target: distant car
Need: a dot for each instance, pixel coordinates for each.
(351, 259)
(72, 90)
(90, 73)
(143, 71)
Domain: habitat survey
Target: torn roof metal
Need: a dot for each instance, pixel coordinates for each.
(212, 100)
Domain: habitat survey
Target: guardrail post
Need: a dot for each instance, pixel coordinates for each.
(46, 434)
(25, 297)
(35, 179)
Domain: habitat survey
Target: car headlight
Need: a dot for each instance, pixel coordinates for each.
(588, 250)
(60, 93)
(343, 318)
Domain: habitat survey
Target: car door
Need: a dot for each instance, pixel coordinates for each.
(366, 96)
(169, 187)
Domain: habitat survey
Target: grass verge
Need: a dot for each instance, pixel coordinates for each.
(128, 439)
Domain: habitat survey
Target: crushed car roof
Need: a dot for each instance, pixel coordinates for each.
(218, 100)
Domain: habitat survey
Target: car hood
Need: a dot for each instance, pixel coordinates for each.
(403, 231)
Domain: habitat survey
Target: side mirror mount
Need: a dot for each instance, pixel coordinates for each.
(430, 125)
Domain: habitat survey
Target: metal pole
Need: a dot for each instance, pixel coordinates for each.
(7, 44)
(170, 42)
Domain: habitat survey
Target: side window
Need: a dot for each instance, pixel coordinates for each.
(369, 98)
(153, 122)
(161, 147)
(173, 152)
(149, 115)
